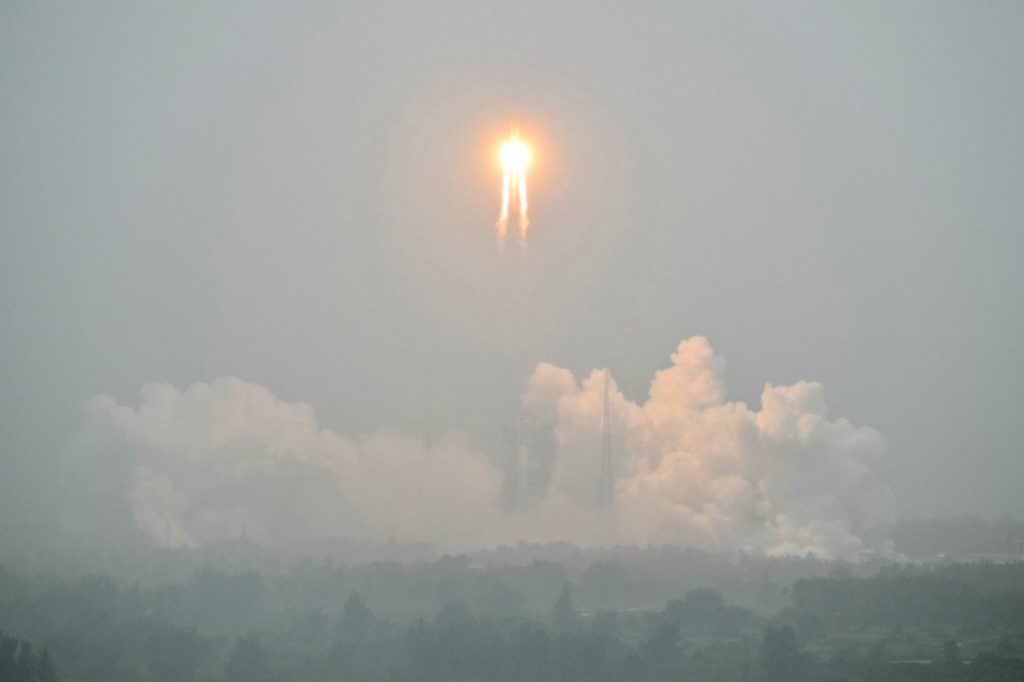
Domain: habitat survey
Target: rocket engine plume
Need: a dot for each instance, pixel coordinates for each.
(515, 158)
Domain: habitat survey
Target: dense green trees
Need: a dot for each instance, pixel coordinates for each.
(20, 663)
(911, 598)
(249, 661)
(453, 620)
(781, 660)
(563, 613)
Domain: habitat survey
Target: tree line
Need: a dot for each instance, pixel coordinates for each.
(952, 622)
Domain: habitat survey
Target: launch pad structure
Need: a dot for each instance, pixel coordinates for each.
(528, 456)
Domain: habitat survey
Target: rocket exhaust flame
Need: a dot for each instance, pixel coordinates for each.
(515, 158)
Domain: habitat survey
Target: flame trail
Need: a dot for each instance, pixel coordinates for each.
(514, 157)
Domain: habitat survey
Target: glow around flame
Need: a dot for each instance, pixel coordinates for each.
(515, 159)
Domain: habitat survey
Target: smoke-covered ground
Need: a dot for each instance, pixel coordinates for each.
(228, 459)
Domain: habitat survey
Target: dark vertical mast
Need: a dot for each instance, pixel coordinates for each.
(606, 486)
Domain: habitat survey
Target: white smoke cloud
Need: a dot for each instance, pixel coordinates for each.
(226, 459)
(694, 468)
(219, 460)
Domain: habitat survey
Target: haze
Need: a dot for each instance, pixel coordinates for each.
(303, 198)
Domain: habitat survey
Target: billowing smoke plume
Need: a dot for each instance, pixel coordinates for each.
(227, 459)
(697, 470)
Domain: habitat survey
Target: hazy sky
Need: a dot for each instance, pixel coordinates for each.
(303, 195)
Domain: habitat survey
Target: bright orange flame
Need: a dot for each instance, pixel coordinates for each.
(515, 158)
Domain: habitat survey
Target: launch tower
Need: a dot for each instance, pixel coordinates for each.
(606, 484)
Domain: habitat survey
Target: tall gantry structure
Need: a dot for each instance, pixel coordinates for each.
(529, 451)
(606, 484)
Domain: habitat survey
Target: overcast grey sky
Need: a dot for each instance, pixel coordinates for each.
(303, 195)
